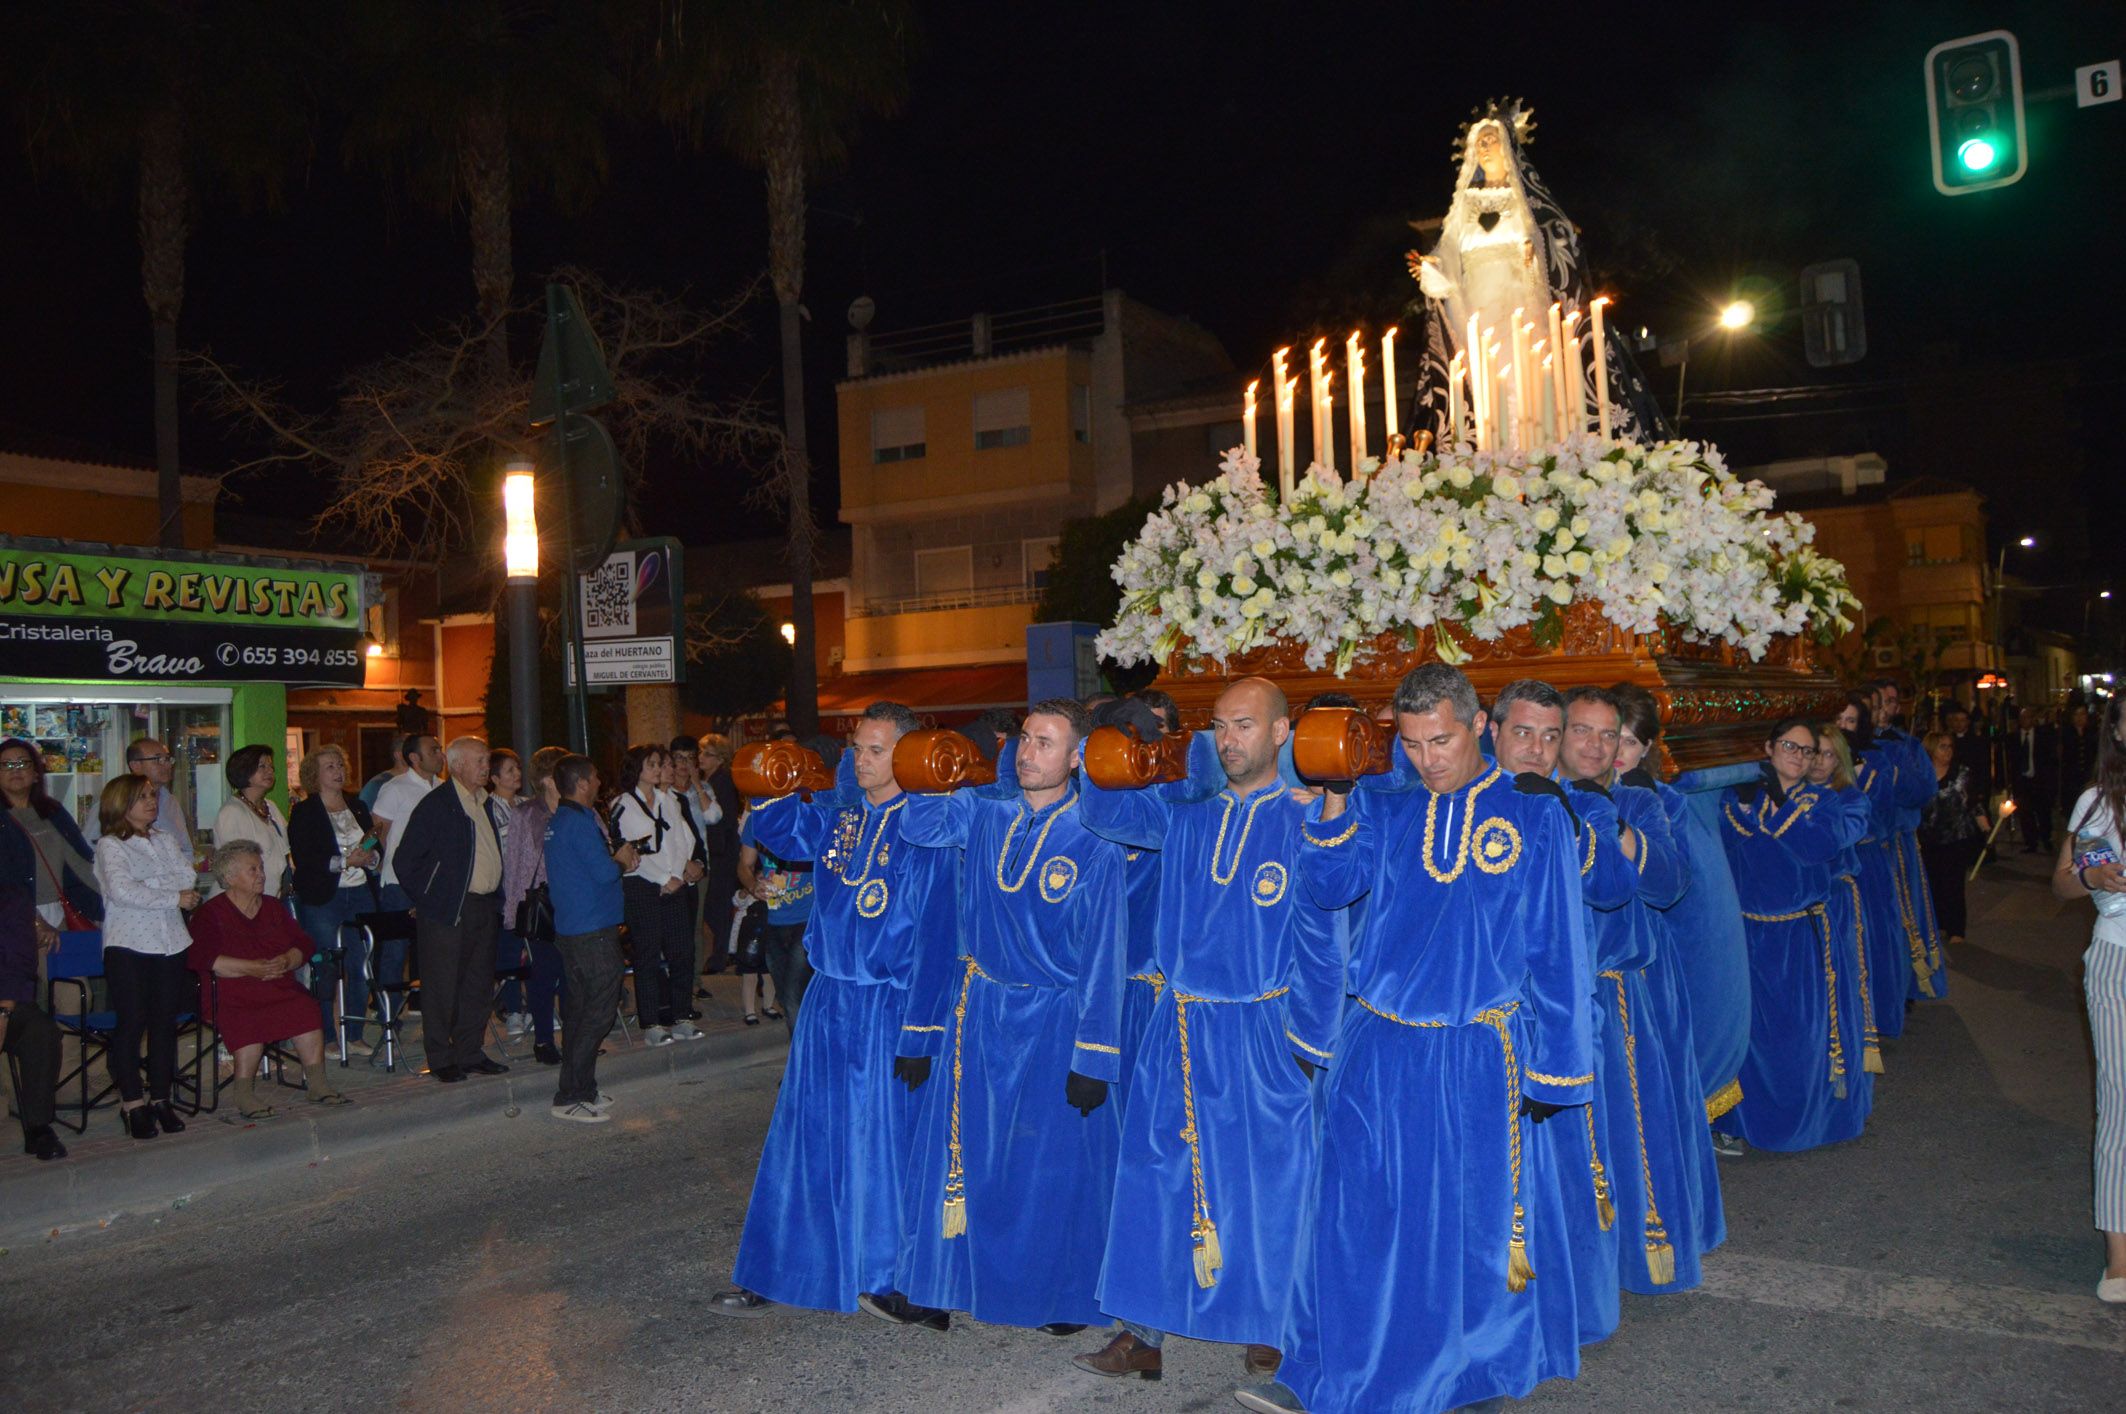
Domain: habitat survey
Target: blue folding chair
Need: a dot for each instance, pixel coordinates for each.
(74, 964)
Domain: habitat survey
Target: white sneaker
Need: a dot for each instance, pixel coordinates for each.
(580, 1113)
(2112, 1290)
(686, 1031)
(656, 1036)
(603, 1103)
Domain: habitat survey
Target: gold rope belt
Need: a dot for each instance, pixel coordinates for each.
(1518, 1270)
(1830, 986)
(1157, 980)
(1203, 1233)
(1660, 1256)
(1870, 1039)
(1908, 915)
(955, 1218)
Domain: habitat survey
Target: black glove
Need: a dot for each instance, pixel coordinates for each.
(1772, 787)
(1337, 787)
(911, 1071)
(1638, 776)
(1538, 1110)
(1084, 1093)
(1306, 1065)
(1132, 716)
(1592, 787)
(1529, 783)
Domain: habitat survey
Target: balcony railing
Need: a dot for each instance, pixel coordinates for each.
(955, 599)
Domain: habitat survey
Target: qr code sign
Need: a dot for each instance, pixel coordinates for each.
(609, 598)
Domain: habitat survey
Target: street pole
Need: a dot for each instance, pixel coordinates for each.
(520, 560)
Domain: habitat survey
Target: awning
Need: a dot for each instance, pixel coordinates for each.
(967, 689)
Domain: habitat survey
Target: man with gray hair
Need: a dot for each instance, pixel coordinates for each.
(450, 864)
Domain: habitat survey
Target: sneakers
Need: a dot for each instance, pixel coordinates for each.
(2109, 1289)
(516, 1023)
(740, 1302)
(603, 1103)
(1727, 1146)
(656, 1036)
(580, 1113)
(1270, 1397)
(686, 1031)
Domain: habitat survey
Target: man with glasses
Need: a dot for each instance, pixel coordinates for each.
(150, 758)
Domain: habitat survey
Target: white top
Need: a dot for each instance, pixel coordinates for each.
(236, 822)
(140, 878)
(2089, 817)
(661, 861)
(395, 802)
(347, 833)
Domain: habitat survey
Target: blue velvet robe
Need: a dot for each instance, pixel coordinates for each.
(1805, 1040)
(1205, 1236)
(1034, 994)
(1846, 912)
(1579, 1139)
(1885, 925)
(1655, 1139)
(1140, 966)
(1915, 787)
(1711, 946)
(825, 1221)
(1439, 1221)
(1669, 996)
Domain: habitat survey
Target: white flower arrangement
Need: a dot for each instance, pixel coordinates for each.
(1485, 540)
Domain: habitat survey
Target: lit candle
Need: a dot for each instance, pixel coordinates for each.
(1454, 399)
(1531, 395)
(1325, 423)
(1474, 343)
(1519, 335)
(1391, 421)
(1557, 369)
(1576, 372)
(1539, 388)
(1599, 351)
(1501, 403)
(1355, 364)
(1550, 396)
(1316, 364)
(1248, 416)
(1494, 422)
(1284, 424)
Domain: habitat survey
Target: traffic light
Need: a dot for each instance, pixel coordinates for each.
(1975, 112)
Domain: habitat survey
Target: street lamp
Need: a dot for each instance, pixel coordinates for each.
(1734, 317)
(520, 567)
(1739, 314)
(2000, 568)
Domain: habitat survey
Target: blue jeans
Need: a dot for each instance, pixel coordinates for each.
(338, 953)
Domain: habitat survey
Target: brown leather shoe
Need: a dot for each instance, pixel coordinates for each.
(1260, 1362)
(1124, 1355)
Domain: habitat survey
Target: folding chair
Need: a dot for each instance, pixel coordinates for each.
(192, 1077)
(74, 963)
(381, 928)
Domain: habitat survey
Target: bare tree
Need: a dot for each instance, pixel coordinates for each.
(414, 443)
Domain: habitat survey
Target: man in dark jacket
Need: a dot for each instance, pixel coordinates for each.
(721, 837)
(26, 1033)
(449, 861)
(583, 872)
(2033, 755)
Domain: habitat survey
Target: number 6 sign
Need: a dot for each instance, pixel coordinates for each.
(2097, 83)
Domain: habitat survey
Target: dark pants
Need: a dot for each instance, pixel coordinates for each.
(1946, 867)
(789, 965)
(544, 990)
(590, 1000)
(458, 981)
(2033, 812)
(657, 925)
(147, 992)
(339, 951)
(388, 964)
(33, 1043)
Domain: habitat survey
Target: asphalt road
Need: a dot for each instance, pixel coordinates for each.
(1945, 1261)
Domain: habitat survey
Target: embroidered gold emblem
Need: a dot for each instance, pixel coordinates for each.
(1269, 885)
(1058, 874)
(1496, 845)
(871, 899)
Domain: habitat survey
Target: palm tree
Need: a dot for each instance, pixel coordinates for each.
(170, 99)
(475, 105)
(781, 83)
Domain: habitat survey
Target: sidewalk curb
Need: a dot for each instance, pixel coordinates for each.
(41, 1200)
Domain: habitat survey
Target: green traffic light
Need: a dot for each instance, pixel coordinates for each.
(1978, 154)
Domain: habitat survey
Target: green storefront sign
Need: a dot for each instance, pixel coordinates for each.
(72, 585)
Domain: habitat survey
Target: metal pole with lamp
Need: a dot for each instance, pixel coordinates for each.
(520, 568)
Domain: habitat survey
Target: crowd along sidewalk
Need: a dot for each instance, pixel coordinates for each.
(107, 1176)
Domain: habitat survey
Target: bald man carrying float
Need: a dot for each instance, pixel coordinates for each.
(1217, 1131)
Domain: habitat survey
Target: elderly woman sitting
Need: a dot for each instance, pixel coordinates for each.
(251, 946)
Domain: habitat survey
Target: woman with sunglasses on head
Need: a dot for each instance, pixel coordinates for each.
(61, 868)
(1782, 835)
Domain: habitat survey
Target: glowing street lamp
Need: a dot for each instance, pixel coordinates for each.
(789, 634)
(520, 567)
(1738, 314)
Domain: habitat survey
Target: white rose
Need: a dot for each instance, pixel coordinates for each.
(1341, 579)
(1264, 548)
(1578, 562)
(1243, 585)
(1559, 593)
(1546, 519)
(1564, 541)
(1579, 525)
(1555, 566)
(1206, 579)
(1461, 478)
(1506, 485)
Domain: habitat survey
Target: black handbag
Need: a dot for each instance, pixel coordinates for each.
(535, 914)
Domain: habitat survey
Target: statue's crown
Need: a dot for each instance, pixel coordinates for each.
(1515, 116)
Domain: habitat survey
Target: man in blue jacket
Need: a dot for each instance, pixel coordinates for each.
(583, 872)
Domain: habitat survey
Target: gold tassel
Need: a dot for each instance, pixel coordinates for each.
(1871, 1059)
(1209, 1258)
(955, 1216)
(1518, 1272)
(1660, 1261)
(1838, 1089)
(1605, 1210)
(1925, 974)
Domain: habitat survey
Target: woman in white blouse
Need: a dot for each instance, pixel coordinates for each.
(147, 882)
(647, 814)
(250, 813)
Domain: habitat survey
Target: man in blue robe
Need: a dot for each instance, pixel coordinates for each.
(1218, 1143)
(825, 1222)
(1915, 786)
(1468, 1022)
(1012, 1156)
(1528, 721)
(1655, 1133)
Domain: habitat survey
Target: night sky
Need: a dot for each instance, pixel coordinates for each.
(1250, 165)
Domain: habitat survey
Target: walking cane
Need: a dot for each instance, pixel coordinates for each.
(2007, 809)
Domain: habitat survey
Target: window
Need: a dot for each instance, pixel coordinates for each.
(946, 571)
(1002, 419)
(1081, 414)
(1040, 556)
(896, 435)
(1934, 544)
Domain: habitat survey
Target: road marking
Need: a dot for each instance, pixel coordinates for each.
(2056, 1318)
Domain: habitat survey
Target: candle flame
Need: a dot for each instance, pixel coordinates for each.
(1391, 332)
(1253, 384)
(1601, 300)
